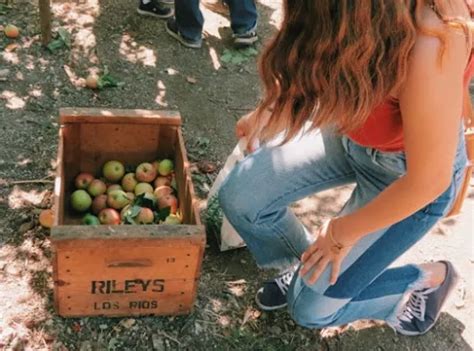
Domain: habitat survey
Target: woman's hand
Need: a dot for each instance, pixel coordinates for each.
(323, 251)
(248, 127)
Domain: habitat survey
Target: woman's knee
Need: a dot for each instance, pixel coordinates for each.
(312, 310)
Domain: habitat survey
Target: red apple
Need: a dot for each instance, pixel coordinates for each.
(97, 187)
(83, 180)
(145, 173)
(113, 187)
(160, 181)
(113, 171)
(109, 216)
(145, 216)
(156, 164)
(11, 31)
(99, 203)
(142, 188)
(162, 191)
(168, 201)
(129, 182)
(117, 199)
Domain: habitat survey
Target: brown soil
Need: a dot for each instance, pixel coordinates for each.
(211, 95)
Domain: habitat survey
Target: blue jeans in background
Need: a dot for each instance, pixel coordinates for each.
(243, 17)
(255, 198)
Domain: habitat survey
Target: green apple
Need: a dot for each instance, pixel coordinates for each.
(166, 167)
(129, 182)
(113, 171)
(90, 220)
(142, 188)
(117, 199)
(97, 187)
(172, 219)
(81, 200)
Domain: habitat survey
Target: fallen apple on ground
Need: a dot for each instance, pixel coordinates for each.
(11, 31)
(46, 218)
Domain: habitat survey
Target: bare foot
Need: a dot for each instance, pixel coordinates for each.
(436, 273)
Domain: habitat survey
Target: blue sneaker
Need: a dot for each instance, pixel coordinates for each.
(272, 296)
(243, 40)
(154, 8)
(422, 310)
(172, 29)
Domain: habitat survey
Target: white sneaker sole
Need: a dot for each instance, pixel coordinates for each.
(181, 40)
(267, 308)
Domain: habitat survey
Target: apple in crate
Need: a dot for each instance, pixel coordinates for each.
(166, 167)
(118, 199)
(109, 216)
(160, 181)
(145, 216)
(131, 196)
(83, 180)
(81, 200)
(90, 220)
(142, 188)
(129, 182)
(113, 187)
(168, 201)
(162, 191)
(97, 187)
(113, 171)
(99, 203)
(145, 173)
(172, 219)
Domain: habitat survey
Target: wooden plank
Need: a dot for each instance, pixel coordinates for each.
(144, 295)
(96, 263)
(124, 116)
(45, 21)
(59, 187)
(123, 234)
(131, 144)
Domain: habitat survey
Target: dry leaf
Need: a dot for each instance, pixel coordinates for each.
(191, 80)
(11, 47)
(206, 167)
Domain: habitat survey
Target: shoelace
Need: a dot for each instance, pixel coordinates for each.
(284, 280)
(416, 306)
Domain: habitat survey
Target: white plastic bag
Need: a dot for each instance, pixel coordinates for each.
(227, 236)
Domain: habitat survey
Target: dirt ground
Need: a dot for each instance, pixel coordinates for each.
(211, 95)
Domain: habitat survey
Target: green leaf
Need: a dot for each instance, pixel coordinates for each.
(163, 213)
(65, 36)
(55, 45)
(134, 211)
(145, 200)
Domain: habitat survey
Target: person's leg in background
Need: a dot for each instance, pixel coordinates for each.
(155, 8)
(187, 25)
(243, 18)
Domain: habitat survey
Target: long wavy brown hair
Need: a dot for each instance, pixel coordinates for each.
(334, 61)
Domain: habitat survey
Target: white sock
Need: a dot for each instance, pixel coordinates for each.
(144, 2)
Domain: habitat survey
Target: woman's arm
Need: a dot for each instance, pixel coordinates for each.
(431, 103)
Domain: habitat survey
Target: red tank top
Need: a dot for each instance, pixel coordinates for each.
(383, 130)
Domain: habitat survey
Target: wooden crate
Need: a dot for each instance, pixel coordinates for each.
(125, 269)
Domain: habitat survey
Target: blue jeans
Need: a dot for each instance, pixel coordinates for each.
(243, 17)
(255, 199)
